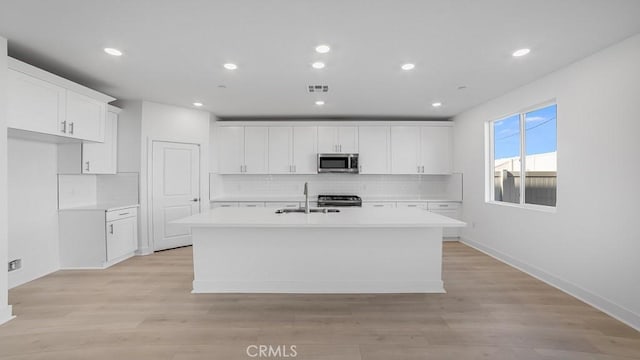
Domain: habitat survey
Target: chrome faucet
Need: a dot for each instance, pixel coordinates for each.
(306, 198)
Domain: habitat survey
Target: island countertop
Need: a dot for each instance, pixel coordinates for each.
(347, 217)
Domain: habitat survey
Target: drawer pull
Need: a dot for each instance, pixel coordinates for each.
(124, 213)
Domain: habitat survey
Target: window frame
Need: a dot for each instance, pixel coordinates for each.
(490, 159)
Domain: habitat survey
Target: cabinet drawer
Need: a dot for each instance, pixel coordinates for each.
(381, 204)
(443, 205)
(121, 214)
(253, 204)
(223, 204)
(419, 205)
(282, 205)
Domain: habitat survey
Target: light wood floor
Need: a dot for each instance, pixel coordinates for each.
(142, 309)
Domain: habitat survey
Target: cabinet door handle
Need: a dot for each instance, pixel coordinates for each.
(71, 128)
(88, 166)
(64, 127)
(111, 229)
(423, 169)
(195, 200)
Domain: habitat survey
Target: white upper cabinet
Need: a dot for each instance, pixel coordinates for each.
(436, 149)
(230, 149)
(405, 150)
(421, 149)
(101, 158)
(85, 117)
(327, 139)
(42, 102)
(338, 139)
(305, 151)
(374, 150)
(280, 150)
(35, 105)
(256, 150)
(243, 149)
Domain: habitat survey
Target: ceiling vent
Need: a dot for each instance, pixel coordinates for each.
(318, 88)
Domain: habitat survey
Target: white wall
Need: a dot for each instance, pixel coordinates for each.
(5, 309)
(169, 123)
(129, 136)
(590, 247)
(33, 200)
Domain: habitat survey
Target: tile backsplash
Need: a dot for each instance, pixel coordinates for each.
(401, 186)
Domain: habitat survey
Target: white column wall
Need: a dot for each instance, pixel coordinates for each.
(5, 309)
(590, 247)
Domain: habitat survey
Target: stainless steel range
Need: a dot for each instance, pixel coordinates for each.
(339, 200)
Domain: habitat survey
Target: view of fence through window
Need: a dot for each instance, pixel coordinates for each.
(539, 157)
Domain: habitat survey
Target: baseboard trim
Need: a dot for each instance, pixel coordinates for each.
(6, 314)
(608, 307)
(144, 251)
(314, 287)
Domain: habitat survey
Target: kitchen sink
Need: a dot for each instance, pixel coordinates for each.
(302, 210)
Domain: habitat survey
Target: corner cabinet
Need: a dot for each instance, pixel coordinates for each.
(44, 103)
(95, 238)
(91, 157)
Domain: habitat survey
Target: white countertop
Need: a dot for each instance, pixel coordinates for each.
(347, 217)
(101, 207)
(293, 198)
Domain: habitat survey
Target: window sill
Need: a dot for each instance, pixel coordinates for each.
(541, 208)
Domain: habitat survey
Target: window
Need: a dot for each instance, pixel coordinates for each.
(524, 143)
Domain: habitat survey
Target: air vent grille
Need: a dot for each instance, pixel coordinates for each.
(318, 88)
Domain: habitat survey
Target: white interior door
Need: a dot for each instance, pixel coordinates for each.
(176, 192)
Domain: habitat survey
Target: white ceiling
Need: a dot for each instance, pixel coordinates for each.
(174, 50)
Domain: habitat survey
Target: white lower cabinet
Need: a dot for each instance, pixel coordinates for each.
(379, 204)
(224, 204)
(282, 205)
(251, 204)
(448, 209)
(97, 238)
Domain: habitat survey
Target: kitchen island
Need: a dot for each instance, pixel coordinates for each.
(357, 250)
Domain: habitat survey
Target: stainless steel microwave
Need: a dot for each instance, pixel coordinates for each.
(338, 163)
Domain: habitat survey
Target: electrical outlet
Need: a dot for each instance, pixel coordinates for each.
(15, 264)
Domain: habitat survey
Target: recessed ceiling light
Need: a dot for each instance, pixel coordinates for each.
(230, 66)
(318, 65)
(198, 104)
(319, 102)
(521, 52)
(112, 51)
(323, 49)
(408, 66)
(436, 104)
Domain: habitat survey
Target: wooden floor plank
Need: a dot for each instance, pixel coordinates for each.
(143, 309)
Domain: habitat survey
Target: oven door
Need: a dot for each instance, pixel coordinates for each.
(335, 163)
